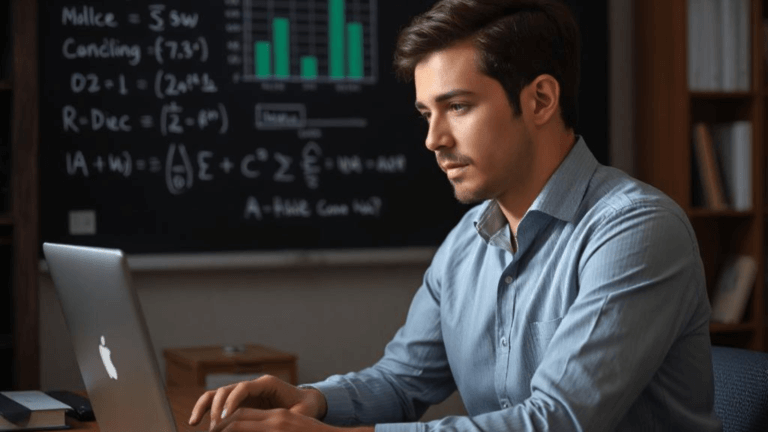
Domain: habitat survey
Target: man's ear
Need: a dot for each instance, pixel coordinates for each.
(542, 98)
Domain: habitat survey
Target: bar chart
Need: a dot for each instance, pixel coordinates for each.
(324, 41)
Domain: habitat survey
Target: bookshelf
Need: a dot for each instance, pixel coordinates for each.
(19, 244)
(667, 110)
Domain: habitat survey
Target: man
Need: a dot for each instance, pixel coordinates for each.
(571, 299)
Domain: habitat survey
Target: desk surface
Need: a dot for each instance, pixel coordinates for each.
(182, 401)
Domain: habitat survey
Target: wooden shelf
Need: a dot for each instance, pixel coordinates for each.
(731, 328)
(665, 112)
(715, 95)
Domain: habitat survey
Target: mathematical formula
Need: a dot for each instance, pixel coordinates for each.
(158, 53)
(182, 169)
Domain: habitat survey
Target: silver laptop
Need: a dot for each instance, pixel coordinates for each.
(110, 338)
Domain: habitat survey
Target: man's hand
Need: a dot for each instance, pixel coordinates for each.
(273, 420)
(276, 420)
(272, 398)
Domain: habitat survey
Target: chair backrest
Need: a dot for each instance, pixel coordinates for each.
(741, 389)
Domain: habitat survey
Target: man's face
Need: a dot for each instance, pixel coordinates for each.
(483, 148)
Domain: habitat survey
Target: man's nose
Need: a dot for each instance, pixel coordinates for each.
(438, 135)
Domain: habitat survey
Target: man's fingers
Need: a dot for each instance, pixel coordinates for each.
(265, 392)
(201, 406)
(243, 417)
(218, 402)
(277, 419)
(235, 398)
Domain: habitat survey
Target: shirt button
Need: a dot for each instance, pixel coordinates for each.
(504, 342)
(505, 404)
(508, 280)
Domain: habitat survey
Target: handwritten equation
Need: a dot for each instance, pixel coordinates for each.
(182, 168)
(162, 78)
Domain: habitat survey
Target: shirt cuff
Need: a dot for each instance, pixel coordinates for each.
(338, 401)
(401, 427)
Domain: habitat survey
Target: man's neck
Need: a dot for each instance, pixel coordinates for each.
(517, 202)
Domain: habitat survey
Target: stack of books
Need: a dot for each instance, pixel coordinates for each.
(31, 410)
(734, 285)
(723, 166)
(718, 45)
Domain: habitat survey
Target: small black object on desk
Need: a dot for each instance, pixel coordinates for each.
(81, 406)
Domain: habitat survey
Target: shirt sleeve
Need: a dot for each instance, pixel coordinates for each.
(640, 281)
(412, 375)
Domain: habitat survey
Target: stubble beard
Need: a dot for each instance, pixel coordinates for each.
(465, 196)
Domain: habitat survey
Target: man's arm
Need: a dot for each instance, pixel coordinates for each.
(412, 375)
(640, 287)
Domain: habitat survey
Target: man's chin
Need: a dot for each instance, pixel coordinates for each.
(467, 196)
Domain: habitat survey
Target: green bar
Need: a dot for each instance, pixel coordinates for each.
(336, 38)
(355, 50)
(263, 63)
(280, 36)
(309, 67)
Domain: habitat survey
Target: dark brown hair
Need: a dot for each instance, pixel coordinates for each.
(517, 40)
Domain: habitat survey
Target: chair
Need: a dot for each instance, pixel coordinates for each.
(741, 389)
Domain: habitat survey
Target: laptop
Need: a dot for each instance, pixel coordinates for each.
(110, 338)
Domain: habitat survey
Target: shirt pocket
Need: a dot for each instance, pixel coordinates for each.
(538, 335)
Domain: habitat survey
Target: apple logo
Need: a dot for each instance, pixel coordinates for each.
(105, 357)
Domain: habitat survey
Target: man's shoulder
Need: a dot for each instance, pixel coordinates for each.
(616, 202)
(613, 193)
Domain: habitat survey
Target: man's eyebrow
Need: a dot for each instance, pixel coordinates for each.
(444, 97)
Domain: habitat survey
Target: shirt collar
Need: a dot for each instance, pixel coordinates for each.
(564, 191)
(559, 198)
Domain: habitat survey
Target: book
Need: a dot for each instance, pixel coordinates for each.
(718, 45)
(743, 45)
(735, 283)
(46, 413)
(706, 161)
(729, 35)
(722, 139)
(715, 43)
(733, 146)
(742, 155)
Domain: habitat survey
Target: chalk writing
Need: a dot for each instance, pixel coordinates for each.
(86, 16)
(180, 50)
(279, 207)
(174, 18)
(310, 165)
(174, 101)
(106, 49)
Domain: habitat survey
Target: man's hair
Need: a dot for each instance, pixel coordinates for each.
(516, 41)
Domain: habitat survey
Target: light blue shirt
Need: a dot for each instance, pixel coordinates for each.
(598, 320)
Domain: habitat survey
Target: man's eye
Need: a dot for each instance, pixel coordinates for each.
(425, 116)
(457, 107)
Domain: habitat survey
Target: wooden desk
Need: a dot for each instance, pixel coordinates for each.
(189, 366)
(182, 401)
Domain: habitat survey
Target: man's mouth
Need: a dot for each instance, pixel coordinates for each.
(453, 169)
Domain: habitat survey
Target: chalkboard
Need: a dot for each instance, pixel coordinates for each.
(203, 126)
(231, 125)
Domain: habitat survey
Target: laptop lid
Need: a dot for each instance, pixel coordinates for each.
(110, 338)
